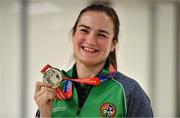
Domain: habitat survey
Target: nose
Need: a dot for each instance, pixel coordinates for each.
(91, 39)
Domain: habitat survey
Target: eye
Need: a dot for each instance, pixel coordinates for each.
(84, 30)
(102, 35)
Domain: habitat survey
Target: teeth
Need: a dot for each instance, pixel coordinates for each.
(89, 49)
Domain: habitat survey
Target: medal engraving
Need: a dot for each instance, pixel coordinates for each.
(53, 76)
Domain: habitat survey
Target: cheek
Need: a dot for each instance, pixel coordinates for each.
(105, 46)
(77, 38)
(74, 43)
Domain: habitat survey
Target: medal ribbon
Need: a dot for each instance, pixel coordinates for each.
(67, 93)
(90, 81)
(93, 81)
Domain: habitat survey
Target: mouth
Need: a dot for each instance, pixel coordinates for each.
(88, 49)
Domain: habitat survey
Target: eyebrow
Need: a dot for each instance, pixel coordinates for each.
(100, 30)
(103, 31)
(84, 26)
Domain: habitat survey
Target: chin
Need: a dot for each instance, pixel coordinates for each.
(89, 63)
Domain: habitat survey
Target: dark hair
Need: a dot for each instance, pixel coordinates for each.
(112, 14)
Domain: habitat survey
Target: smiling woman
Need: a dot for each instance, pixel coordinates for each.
(93, 40)
(96, 88)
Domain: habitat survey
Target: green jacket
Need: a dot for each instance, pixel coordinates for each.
(105, 99)
(119, 96)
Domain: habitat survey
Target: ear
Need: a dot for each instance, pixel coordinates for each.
(113, 45)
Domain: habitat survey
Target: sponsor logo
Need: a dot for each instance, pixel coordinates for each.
(108, 110)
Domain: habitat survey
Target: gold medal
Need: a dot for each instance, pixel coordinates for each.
(53, 76)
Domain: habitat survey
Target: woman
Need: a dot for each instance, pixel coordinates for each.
(95, 36)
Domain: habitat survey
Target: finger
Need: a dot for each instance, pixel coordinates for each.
(44, 98)
(43, 90)
(48, 95)
(39, 85)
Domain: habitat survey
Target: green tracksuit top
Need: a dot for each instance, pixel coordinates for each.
(119, 96)
(107, 100)
(108, 94)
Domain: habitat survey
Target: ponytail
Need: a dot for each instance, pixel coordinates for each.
(112, 59)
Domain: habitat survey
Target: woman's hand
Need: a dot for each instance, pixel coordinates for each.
(44, 96)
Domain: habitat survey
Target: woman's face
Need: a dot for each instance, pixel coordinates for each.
(92, 40)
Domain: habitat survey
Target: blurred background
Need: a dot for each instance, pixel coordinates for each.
(34, 33)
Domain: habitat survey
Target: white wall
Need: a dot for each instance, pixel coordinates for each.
(1, 13)
(9, 60)
(165, 83)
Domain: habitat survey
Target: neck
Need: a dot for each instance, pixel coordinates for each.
(84, 71)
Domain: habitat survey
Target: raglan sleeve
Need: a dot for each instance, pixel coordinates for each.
(139, 103)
